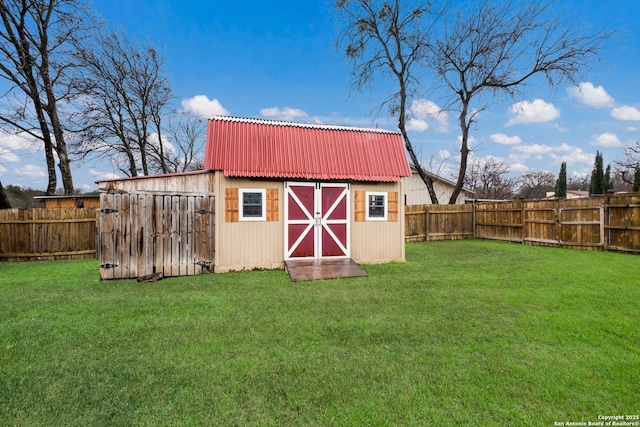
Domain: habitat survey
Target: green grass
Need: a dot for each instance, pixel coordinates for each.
(464, 333)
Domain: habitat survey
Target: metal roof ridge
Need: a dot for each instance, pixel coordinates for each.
(306, 125)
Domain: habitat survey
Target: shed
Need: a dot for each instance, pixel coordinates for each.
(271, 191)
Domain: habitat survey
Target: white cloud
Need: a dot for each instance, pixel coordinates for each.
(7, 156)
(626, 113)
(443, 154)
(423, 111)
(288, 114)
(538, 111)
(10, 142)
(573, 156)
(590, 95)
(501, 138)
(632, 129)
(202, 106)
(518, 167)
(99, 175)
(607, 139)
(535, 149)
(31, 171)
(167, 147)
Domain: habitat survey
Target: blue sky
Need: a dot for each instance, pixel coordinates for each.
(277, 59)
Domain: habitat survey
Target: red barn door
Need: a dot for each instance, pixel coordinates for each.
(317, 220)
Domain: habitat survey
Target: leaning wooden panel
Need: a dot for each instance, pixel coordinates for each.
(186, 227)
(107, 236)
(209, 232)
(147, 236)
(162, 211)
(174, 238)
(199, 238)
(125, 232)
(118, 238)
(136, 238)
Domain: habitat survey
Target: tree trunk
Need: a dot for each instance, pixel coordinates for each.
(61, 150)
(52, 111)
(464, 153)
(428, 181)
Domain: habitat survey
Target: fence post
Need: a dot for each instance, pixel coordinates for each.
(426, 223)
(523, 222)
(473, 205)
(558, 211)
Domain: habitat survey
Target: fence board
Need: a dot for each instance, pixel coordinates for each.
(47, 234)
(609, 223)
(499, 220)
(438, 222)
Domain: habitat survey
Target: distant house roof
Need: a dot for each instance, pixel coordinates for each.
(571, 194)
(441, 179)
(244, 147)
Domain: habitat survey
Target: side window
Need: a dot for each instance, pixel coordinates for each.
(252, 205)
(376, 206)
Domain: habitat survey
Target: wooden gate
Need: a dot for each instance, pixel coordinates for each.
(141, 234)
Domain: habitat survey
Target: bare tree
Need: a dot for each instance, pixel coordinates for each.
(619, 184)
(126, 97)
(35, 59)
(185, 139)
(578, 182)
(630, 161)
(493, 48)
(536, 184)
(388, 38)
(488, 180)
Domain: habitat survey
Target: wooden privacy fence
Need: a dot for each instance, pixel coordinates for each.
(146, 233)
(47, 234)
(609, 223)
(438, 222)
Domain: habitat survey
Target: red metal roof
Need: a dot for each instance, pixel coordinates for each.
(242, 147)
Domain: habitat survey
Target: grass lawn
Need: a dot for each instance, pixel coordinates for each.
(464, 333)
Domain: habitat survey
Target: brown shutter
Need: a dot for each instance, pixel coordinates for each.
(273, 207)
(392, 207)
(231, 205)
(360, 202)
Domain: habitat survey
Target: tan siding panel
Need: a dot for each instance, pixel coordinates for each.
(198, 183)
(244, 245)
(376, 241)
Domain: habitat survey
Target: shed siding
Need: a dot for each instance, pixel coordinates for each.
(246, 245)
(377, 241)
(201, 183)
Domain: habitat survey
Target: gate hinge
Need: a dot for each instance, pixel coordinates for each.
(107, 265)
(203, 211)
(203, 263)
(108, 211)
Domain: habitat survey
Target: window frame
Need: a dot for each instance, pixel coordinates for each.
(263, 195)
(385, 199)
